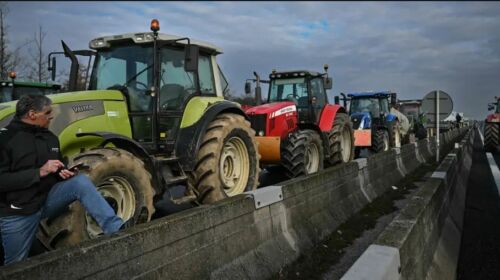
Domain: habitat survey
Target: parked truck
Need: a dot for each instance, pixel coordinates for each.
(297, 127)
(153, 117)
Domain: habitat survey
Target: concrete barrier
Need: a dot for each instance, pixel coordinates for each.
(427, 231)
(237, 238)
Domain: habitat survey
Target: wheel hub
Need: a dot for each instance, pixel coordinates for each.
(118, 192)
(234, 166)
(311, 160)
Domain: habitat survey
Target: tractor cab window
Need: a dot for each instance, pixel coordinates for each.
(318, 92)
(6, 94)
(176, 85)
(128, 68)
(369, 105)
(294, 89)
(384, 105)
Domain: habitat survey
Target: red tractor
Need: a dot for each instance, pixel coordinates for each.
(492, 127)
(296, 127)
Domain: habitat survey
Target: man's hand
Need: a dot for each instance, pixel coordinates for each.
(51, 166)
(65, 174)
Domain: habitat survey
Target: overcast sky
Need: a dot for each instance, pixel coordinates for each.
(408, 47)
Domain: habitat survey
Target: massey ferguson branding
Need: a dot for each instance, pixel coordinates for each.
(285, 110)
(82, 108)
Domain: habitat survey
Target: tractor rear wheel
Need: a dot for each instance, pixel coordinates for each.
(491, 136)
(302, 153)
(341, 140)
(380, 141)
(121, 179)
(227, 162)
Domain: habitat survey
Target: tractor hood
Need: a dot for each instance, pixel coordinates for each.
(277, 108)
(361, 120)
(7, 109)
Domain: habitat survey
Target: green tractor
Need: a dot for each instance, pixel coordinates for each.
(153, 117)
(13, 90)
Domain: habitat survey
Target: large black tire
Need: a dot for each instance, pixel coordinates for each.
(227, 162)
(122, 180)
(491, 136)
(380, 141)
(302, 153)
(341, 140)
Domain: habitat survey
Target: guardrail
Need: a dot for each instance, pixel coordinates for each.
(423, 241)
(247, 236)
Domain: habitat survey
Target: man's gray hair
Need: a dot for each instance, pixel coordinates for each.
(29, 102)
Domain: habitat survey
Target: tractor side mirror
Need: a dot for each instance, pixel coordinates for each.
(491, 106)
(52, 68)
(248, 88)
(328, 83)
(191, 58)
(336, 100)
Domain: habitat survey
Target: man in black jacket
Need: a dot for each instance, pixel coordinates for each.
(34, 182)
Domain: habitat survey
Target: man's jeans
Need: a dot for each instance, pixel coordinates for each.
(18, 232)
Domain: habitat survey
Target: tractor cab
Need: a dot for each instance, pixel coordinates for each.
(306, 89)
(13, 90)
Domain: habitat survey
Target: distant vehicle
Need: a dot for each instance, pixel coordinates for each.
(375, 127)
(412, 109)
(13, 90)
(492, 127)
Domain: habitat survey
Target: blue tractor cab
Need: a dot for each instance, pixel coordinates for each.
(373, 122)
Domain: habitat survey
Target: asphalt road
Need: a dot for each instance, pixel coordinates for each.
(480, 249)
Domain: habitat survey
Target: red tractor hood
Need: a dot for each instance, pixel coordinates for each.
(278, 107)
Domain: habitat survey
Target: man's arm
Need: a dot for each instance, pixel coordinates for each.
(15, 180)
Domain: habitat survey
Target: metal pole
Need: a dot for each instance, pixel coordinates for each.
(437, 126)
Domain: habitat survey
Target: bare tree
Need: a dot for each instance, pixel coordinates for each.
(38, 69)
(9, 60)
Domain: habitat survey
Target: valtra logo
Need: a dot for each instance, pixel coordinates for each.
(82, 108)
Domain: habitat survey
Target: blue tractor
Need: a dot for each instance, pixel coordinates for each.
(375, 126)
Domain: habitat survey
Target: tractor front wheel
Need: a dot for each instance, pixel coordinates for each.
(227, 163)
(341, 140)
(302, 153)
(124, 183)
(380, 141)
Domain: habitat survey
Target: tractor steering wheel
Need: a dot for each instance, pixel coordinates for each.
(291, 98)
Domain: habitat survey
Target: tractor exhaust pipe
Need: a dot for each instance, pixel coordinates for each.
(73, 74)
(258, 91)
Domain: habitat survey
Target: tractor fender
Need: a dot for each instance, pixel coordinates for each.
(189, 138)
(122, 142)
(327, 116)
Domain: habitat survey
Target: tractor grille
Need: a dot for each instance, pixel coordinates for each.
(356, 121)
(258, 122)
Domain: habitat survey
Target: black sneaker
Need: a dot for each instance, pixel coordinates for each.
(128, 224)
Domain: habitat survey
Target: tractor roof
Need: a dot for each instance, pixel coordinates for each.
(370, 94)
(30, 84)
(146, 38)
(294, 73)
(410, 102)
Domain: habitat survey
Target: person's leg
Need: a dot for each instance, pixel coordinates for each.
(82, 189)
(18, 233)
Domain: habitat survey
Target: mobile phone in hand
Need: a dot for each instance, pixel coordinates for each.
(75, 167)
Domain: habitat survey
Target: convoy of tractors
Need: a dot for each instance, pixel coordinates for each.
(154, 117)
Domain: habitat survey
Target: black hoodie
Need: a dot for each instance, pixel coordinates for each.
(24, 148)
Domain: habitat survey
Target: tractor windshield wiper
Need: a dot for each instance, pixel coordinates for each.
(136, 75)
